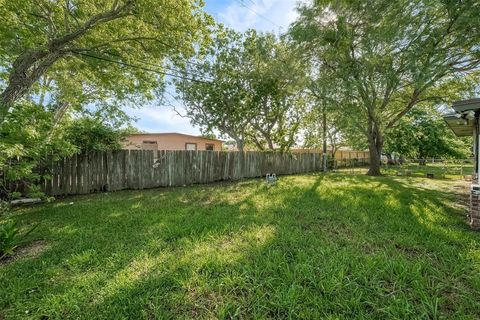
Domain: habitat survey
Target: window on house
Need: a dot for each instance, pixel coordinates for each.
(149, 145)
(209, 146)
(190, 146)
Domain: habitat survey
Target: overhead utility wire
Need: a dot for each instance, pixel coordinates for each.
(160, 66)
(140, 67)
(242, 3)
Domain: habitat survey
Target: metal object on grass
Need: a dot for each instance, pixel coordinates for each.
(271, 178)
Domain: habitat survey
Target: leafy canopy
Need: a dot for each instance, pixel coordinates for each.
(423, 133)
(251, 90)
(389, 56)
(95, 51)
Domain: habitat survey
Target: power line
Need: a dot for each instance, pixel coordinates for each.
(242, 3)
(172, 47)
(126, 64)
(162, 66)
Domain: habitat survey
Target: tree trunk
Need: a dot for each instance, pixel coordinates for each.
(27, 69)
(375, 146)
(269, 142)
(390, 159)
(239, 144)
(324, 143)
(57, 118)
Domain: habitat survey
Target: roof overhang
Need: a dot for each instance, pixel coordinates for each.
(466, 105)
(462, 121)
(461, 127)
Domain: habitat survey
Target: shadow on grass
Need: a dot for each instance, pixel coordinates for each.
(308, 247)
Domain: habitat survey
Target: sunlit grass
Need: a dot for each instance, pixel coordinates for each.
(444, 170)
(313, 246)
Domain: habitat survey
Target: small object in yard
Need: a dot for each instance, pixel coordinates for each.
(399, 173)
(408, 173)
(271, 178)
(70, 203)
(430, 175)
(25, 201)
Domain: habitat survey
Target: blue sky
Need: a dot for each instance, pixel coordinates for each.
(263, 15)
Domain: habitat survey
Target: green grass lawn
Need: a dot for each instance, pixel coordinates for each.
(312, 246)
(444, 170)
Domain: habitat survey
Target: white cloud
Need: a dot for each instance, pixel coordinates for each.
(263, 15)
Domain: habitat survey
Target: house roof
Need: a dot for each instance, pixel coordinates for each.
(466, 105)
(170, 133)
(461, 127)
(458, 121)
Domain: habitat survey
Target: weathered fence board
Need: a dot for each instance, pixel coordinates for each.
(140, 169)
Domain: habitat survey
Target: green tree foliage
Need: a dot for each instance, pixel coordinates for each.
(89, 134)
(27, 140)
(80, 52)
(251, 90)
(325, 124)
(320, 125)
(423, 133)
(275, 89)
(389, 56)
(219, 102)
(209, 136)
(30, 139)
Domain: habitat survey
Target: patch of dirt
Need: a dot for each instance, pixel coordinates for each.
(410, 252)
(462, 195)
(27, 251)
(369, 249)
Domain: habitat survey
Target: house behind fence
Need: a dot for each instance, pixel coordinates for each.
(170, 141)
(140, 169)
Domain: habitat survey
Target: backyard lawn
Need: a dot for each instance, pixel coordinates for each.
(311, 246)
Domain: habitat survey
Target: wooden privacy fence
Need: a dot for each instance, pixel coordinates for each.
(139, 169)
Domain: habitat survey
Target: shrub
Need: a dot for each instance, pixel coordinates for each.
(4, 208)
(10, 237)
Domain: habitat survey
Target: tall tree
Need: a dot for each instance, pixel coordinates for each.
(324, 123)
(250, 89)
(322, 129)
(389, 55)
(215, 97)
(275, 86)
(77, 52)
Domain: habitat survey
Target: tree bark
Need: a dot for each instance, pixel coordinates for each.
(324, 138)
(270, 143)
(240, 146)
(375, 147)
(57, 118)
(27, 69)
